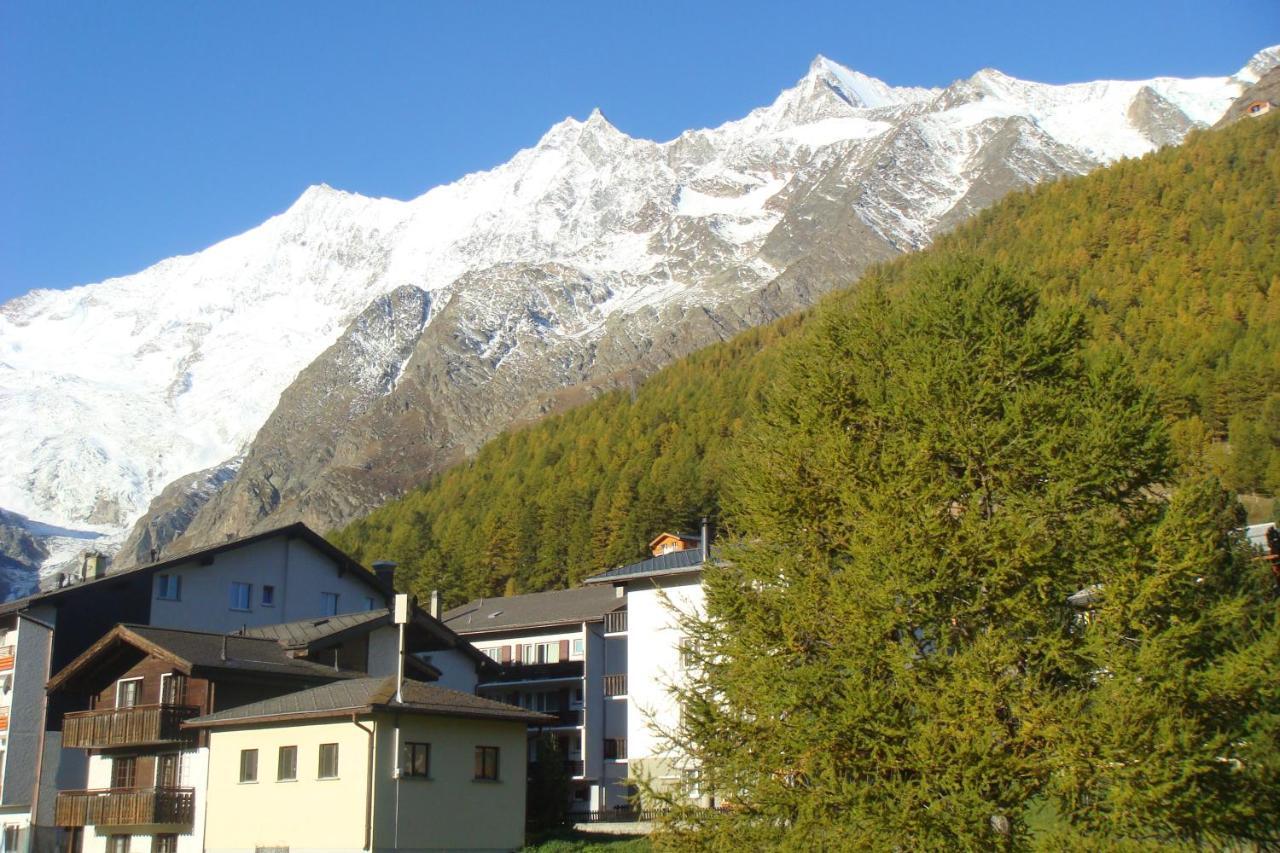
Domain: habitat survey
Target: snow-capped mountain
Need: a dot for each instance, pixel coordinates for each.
(554, 269)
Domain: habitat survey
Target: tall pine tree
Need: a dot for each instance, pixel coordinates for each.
(889, 659)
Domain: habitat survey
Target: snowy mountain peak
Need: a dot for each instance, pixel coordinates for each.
(858, 90)
(1260, 63)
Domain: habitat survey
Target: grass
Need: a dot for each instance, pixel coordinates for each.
(571, 841)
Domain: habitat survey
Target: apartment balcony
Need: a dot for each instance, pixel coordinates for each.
(6, 658)
(565, 670)
(4, 718)
(141, 725)
(126, 807)
(615, 622)
(615, 685)
(566, 717)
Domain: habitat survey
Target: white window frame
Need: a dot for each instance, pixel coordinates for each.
(169, 587)
(233, 602)
(578, 649)
(121, 682)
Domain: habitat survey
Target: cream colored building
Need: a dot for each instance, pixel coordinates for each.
(347, 767)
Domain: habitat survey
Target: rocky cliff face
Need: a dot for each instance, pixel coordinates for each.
(350, 346)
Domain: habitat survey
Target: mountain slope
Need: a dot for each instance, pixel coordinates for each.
(647, 251)
(1174, 258)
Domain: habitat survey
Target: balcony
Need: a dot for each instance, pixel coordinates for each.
(615, 685)
(4, 719)
(126, 807)
(565, 670)
(141, 725)
(6, 658)
(615, 622)
(568, 717)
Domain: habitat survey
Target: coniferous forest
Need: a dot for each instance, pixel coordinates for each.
(1171, 260)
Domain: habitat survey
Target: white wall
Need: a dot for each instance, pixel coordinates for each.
(193, 774)
(457, 670)
(298, 572)
(653, 607)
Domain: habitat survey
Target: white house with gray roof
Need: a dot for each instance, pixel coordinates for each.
(658, 592)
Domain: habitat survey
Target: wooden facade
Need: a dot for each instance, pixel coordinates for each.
(142, 725)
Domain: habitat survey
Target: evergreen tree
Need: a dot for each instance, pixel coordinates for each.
(889, 660)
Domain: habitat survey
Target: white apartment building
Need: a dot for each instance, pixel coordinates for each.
(658, 592)
(564, 654)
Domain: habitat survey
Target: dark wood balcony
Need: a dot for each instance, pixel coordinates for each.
(126, 807)
(564, 670)
(141, 725)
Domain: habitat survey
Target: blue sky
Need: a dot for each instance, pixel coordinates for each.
(130, 132)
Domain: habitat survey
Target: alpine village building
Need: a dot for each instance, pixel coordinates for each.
(107, 678)
(602, 659)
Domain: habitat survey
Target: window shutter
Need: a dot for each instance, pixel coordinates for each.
(506, 654)
(564, 650)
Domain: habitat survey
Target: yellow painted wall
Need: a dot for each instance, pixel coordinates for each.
(450, 810)
(309, 813)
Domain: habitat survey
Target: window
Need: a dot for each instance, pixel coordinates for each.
(493, 653)
(268, 595)
(241, 594)
(487, 763)
(117, 844)
(575, 700)
(328, 604)
(416, 760)
(578, 649)
(124, 772)
(173, 688)
(164, 843)
(287, 764)
(540, 653)
(11, 831)
(168, 770)
(169, 587)
(328, 761)
(248, 765)
(615, 747)
(128, 692)
(369, 603)
(688, 652)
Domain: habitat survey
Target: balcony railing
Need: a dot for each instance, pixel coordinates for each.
(126, 807)
(137, 726)
(6, 658)
(560, 671)
(615, 685)
(615, 622)
(566, 717)
(4, 719)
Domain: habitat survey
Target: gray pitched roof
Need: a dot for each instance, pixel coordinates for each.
(677, 562)
(296, 529)
(586, 604)
(249, 654)
(364, 696)
(303, 633)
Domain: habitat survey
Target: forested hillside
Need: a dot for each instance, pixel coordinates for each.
(1175, 258)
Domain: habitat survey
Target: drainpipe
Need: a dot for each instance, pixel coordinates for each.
(368, 791)
(706, 539)
(44, 725)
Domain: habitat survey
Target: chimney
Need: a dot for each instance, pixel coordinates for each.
(435, 603)
(91, 566)
(706, 539)
(385, 571)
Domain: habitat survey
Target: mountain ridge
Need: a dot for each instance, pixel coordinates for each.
(651, 230)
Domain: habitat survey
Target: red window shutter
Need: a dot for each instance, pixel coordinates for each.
(506, 654)
(564, 650)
